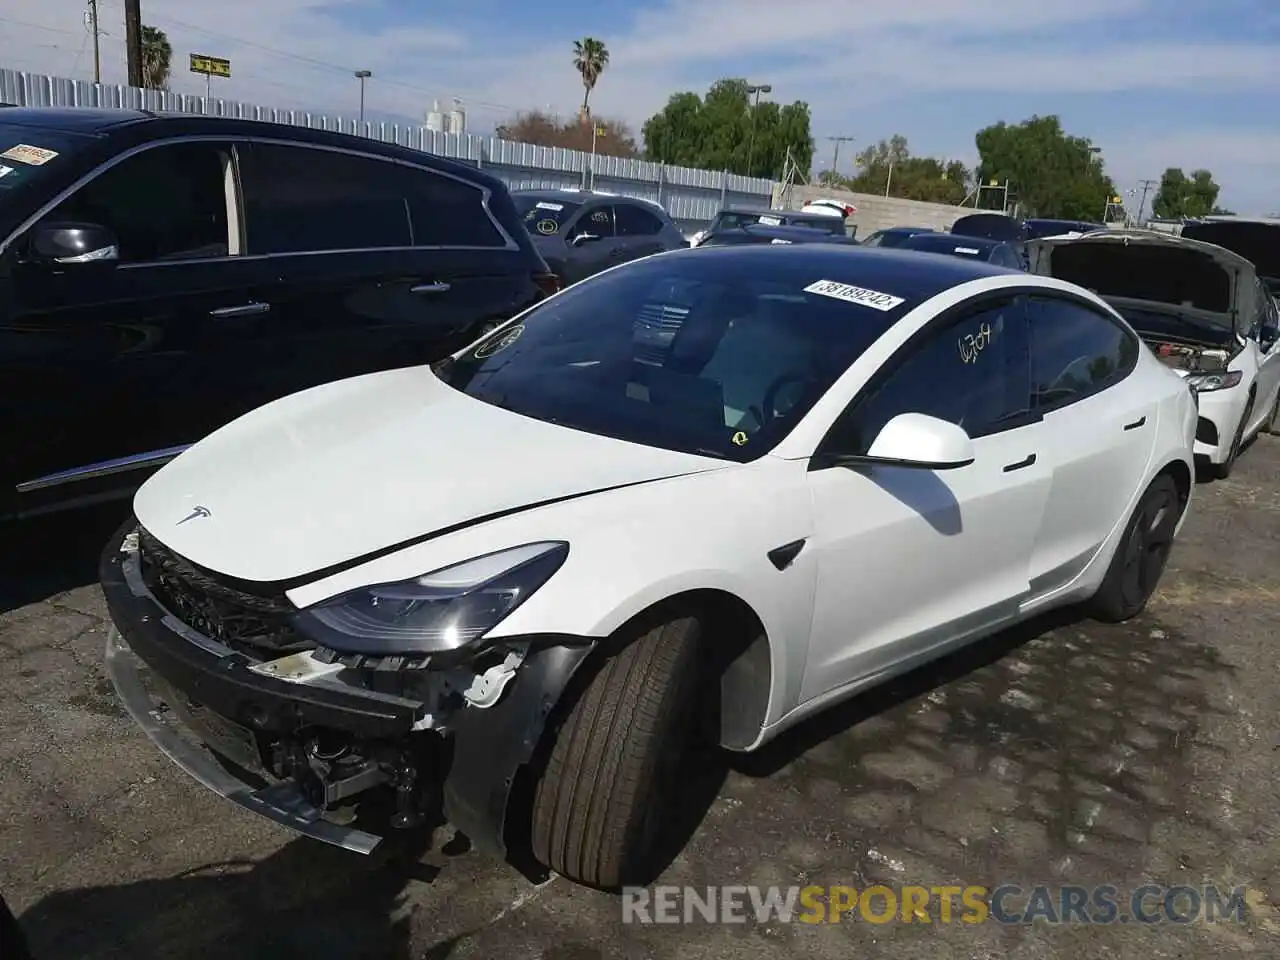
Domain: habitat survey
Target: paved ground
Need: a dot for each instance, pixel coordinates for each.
(1070, 753)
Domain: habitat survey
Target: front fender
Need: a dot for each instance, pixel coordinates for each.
(491, 745)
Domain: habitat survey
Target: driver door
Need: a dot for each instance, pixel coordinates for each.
(912, 559)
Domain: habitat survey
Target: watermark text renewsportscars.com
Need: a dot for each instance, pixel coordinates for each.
(1004, 904)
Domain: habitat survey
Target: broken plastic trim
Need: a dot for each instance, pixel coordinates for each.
(284, 803)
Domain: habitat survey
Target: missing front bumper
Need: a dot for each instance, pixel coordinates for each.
(284, 803)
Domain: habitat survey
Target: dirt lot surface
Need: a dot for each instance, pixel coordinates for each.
(1066, 754)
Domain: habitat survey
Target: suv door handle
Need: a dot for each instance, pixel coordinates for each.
(1136, 424)
(1021, 464)
(244, 310)
(430, 288)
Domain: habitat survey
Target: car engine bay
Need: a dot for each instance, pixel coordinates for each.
(1189, 357)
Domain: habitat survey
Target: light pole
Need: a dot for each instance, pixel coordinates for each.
(756, 89)
(362, 76)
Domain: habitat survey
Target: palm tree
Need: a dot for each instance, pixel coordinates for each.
(590, 57)
(157, 58)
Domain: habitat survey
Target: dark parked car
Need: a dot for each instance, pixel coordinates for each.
(893, 236)
(731, 217)
(996, 226)
(580, 233)
(162, 275)
(1038, 228)
(998, 253)
(759, 233)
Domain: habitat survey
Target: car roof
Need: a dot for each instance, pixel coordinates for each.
(573, 195)
(782, 232)
(75, 119)
(943, 240)
(901, 273)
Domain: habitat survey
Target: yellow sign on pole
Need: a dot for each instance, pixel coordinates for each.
(1116, 200)
(210, 66)
(995, 182)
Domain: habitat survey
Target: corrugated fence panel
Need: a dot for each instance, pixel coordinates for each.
(691, 196)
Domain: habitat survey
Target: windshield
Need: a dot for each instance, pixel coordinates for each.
(28, 153)
(703, 353)
(543, 216)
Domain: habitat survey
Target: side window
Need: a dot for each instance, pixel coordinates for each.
(165, 203)
(301, 199)
(633, 220)
(973, 372)
(1075, 351)
(597, 221)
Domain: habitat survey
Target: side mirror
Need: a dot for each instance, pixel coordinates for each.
(581, 238)
(67, 243)
(923, 442)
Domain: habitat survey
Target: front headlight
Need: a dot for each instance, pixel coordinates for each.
(437, 612)
(1207, 382)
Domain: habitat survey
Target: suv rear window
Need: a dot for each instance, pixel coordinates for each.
(543, 215)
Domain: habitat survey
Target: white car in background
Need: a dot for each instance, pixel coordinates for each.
(550, 554)
(1202, 309)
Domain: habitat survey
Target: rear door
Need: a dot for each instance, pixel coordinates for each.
(593, 242)
(374, 263)
(116, 363)
(638, 231)
(1103, 425)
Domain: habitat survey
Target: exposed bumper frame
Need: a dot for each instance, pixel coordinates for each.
(490, 745)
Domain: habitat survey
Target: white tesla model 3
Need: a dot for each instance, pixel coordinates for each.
(762, 478)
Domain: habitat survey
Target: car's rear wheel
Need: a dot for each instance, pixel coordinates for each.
(1140, 559)
(605, 794)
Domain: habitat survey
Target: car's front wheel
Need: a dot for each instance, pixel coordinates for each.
(1140, 559)
(605, 794)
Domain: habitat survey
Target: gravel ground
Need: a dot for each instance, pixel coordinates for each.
(1067, 753)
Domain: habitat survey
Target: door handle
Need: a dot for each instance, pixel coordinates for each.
(1028, 461)
(430, 288)
(244, 310)
(1136, 424)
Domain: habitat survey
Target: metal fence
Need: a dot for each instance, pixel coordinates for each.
(692, 197)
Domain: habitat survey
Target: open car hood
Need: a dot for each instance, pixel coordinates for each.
(1258, 241)
(1154, 271)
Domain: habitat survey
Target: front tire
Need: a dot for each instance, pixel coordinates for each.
(1140, 558)
(600, 803)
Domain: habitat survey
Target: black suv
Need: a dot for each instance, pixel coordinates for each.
(161, 275)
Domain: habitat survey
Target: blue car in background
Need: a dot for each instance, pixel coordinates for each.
(999, 253)
(762, 233)
(893, 236)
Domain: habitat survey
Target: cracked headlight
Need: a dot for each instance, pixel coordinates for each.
(437, 612)
(1208, 382)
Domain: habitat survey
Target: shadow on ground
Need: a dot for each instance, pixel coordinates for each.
(305, 901)
(43, 557)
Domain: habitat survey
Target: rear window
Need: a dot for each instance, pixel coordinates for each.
(946, 243)
(825, 224)
(28, 154)
(544, 216)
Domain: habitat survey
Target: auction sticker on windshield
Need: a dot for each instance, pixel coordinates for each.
(25, 153)
(544, 205)
(851, 294)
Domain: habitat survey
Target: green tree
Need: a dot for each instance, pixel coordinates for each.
(724, 130)
(1050, 173)
(889, 168)
(1182, 196)
(590, 57)
(157, 58)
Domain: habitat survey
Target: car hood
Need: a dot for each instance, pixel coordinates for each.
(357, 467)
(1128, 268)
(1258, 241)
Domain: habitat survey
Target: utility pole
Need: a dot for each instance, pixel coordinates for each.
(1146, 186)
(835, 153)
(756, 89)
(97, 48)
(362, 76)
(133, 40)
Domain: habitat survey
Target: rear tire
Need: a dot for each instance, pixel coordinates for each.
(1140, 558)
(600, 804)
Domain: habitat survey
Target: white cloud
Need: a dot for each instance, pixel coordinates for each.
(841, 56)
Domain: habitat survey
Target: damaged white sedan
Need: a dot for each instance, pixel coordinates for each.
(1204, 311)
(732, 485)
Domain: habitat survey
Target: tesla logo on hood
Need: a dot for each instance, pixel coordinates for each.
(196, 512)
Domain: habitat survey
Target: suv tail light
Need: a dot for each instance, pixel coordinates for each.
(548, 283)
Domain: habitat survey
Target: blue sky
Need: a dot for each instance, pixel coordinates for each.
(1155, 83)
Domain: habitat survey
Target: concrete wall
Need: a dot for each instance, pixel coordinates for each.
(876, 213)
